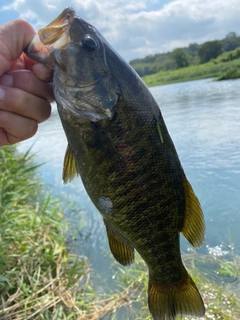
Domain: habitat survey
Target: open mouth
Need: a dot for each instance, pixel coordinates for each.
(53, 36)
(57, 28)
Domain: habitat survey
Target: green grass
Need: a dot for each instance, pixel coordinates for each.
(223, 67)
(232, 73)
(41, 279)
(38, 275)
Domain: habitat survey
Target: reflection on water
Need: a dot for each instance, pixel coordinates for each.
(203, 119)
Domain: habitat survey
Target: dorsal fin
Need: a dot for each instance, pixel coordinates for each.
(194, 226)
(69, 166)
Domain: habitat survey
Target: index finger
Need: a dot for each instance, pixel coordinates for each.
(28, 82)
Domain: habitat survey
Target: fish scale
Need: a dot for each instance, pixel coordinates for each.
(119, 144)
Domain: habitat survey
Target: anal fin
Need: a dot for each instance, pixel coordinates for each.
(194, 227)
(121, 250)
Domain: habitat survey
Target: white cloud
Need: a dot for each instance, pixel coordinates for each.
(138, 28)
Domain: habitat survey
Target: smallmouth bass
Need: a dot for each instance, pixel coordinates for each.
(119, 144)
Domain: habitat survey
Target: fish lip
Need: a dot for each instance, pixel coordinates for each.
(51, 37)
(57, 27)
(68, 13)
(38, 52)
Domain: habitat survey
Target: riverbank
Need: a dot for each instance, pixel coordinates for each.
(221, 68)
(41, 279)
(38, 274)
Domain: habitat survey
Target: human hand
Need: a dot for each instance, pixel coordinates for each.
(25, 87)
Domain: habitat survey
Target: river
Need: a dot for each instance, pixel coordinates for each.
(203, 118)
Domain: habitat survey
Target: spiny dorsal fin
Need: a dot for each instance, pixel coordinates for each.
(121, 251)
(194, 226)
(69, 166)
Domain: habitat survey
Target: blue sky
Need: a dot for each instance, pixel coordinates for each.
(136, 28)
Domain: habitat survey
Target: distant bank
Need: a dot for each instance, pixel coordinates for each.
(225, 66)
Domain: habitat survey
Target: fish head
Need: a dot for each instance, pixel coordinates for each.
(84, 86)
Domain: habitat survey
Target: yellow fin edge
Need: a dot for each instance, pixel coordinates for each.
(194, 227)
(121, 251)
(69, 166)
(167, 301)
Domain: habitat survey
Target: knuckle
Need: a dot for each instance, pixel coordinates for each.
(45, 111)
(31, 130)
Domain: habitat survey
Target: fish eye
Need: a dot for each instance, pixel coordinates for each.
(89, 43)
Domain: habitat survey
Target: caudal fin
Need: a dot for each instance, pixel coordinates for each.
(183, 299)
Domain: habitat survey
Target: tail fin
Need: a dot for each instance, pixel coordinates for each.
(166, 302)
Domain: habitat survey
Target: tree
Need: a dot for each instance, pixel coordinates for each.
(192, 49)
(209, 50)
(231, 35)
(180, 58)
(231, 42)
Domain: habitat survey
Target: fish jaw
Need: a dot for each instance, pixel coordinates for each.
(54, 36)
(84, 88)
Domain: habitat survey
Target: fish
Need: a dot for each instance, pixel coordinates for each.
(119, 145)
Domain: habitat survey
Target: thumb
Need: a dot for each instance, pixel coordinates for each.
(14, 37)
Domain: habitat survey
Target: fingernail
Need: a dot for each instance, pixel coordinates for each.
(2, 93)
(6, 80)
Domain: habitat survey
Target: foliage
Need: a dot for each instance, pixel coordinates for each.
(209, 50)
(212, 69)
(152, 64)
(232, 55)
(192, 49)
(38, 275)
(231, 42)
(180, 57)
(192, 55)
(231, 35)
(231, 73)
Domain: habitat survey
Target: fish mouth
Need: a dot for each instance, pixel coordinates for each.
(54, 36)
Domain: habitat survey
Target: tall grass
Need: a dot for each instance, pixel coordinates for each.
(38, 275)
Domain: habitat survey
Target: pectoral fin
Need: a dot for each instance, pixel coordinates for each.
(69, 166)
(103, 144)
(121, 250)
(194, 226)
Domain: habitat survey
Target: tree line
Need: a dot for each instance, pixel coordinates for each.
(182, 57)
